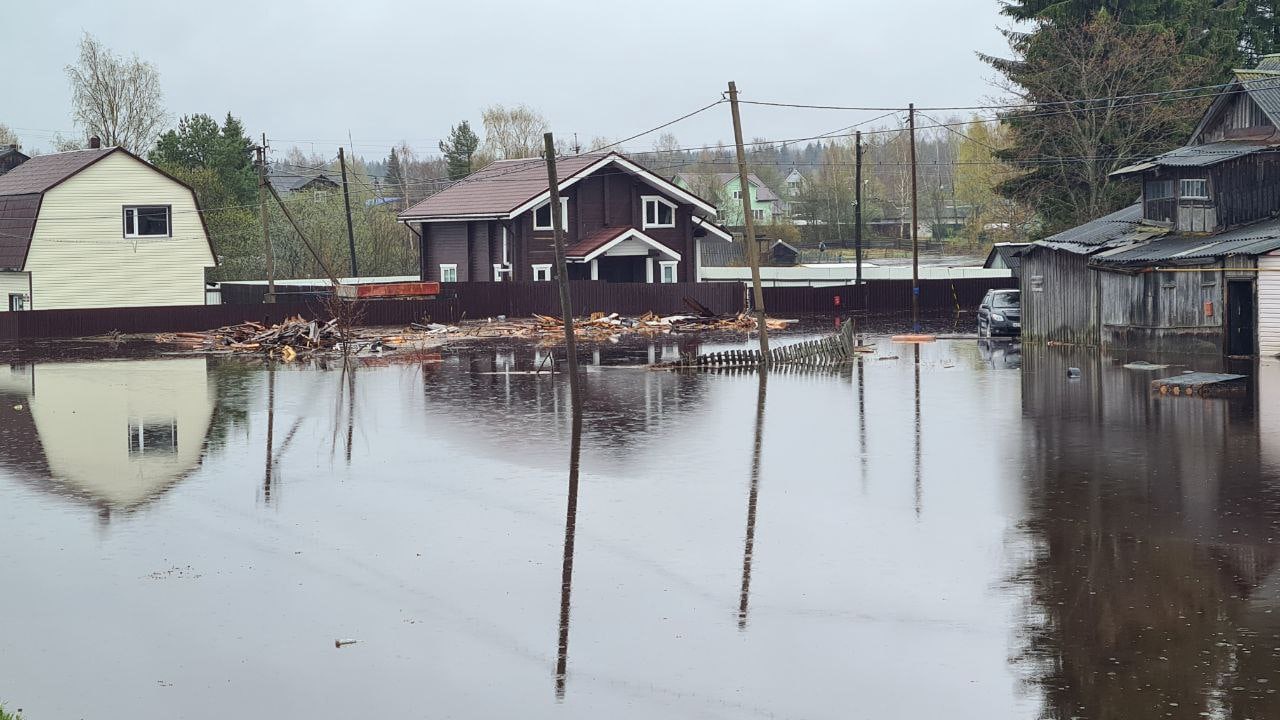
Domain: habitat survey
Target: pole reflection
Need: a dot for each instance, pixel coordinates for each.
(749, 543)
(919, 482)
(271, 426)
(566, 570)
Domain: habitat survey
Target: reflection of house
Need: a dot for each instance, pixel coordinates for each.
(99, 228)
(1188, 267)
(622, 223)
(115, 433)
(766, 206)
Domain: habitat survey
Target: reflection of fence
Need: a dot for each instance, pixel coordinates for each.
(483, 299)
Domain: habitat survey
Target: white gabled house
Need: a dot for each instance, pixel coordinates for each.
(99, 228)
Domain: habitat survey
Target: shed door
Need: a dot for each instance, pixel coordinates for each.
(1241, 318)
(1269, 305)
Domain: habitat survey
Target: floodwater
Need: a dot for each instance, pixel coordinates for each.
(949, 530)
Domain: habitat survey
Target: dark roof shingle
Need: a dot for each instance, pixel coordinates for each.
(44, 171)
(498, 189)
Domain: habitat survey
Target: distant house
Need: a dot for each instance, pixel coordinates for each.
(766, 206)
(10, 158)
(1005, 256)
(623, 224)
(288, 181)
(99, 228)
(793, 184)
(1194, 265)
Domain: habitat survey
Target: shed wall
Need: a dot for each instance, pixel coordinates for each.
(79, 257)
(1059, 297)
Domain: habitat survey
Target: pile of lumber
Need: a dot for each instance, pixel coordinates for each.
(289, 339)
(601, 326)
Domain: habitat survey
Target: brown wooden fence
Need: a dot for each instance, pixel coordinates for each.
(482, 299)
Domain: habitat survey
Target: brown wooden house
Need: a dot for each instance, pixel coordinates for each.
(1192, 266)
(623, 223)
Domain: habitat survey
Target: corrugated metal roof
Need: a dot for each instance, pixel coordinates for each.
(1201, 155)
(1269, 63)
(1107, 231)
(1255, 239)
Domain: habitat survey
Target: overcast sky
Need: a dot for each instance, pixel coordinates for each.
(307, 73)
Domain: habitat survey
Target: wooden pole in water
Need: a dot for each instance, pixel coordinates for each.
(562, 271)
(346, 201)
(268, 254)
(915, 219)
(749, 226)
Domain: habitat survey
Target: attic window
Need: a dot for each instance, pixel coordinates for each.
(1193, 189)
(658, 213)
(146, 221)
(542, 215)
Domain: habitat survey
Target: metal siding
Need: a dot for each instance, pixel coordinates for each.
(79, 257)
(1269, 305)
(12, 283)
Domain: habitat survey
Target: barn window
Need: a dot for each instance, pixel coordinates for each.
(146, 221)
(1194, 189)
(658, 213)
(542, 215)
(1159, 203)
(1168, 280)
(1208, 277)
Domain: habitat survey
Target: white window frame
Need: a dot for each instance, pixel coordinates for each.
(662, 271)
(656, 200)
(564, 215)
(757, 214)
(737, 194)
(450, 268)
(1182, 184)
(133, 210)
(542, 272)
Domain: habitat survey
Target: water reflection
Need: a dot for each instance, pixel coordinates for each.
(116, 435)
(566, 568)
(1154, 574)
(753, 496)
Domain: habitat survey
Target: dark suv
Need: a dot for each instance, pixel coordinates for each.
(1000, 314)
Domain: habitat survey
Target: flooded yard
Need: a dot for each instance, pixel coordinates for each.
(951, 530)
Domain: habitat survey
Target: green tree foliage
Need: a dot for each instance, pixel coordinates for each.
(459, 149)
(1067, 156)
(1259, 30)
(395, 175)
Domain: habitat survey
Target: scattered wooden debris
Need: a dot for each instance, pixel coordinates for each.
(602, 326)
(296, 337)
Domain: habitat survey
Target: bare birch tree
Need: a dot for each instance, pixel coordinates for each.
(514, 132)
(7, 136)
(116, 98)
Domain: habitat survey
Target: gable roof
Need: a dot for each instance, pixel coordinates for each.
(763, 192)
(1009, 252)
(22, 189)
(42, 172)
(507, 188)
(598, 242)
(290, 181)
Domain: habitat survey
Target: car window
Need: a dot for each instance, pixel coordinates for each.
(1005, 300)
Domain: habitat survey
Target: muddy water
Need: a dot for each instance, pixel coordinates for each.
(954, 530)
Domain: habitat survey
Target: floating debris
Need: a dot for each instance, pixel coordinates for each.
(344, 643)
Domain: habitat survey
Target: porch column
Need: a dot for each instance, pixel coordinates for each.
(595, 270)
(648, 270)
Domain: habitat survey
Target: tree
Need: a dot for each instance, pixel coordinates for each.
(1067, 156)
(198, 143)
(395, 176)
(117, 99)
(459, 149)
(7, 136)
(513, 132)
(1259, 30)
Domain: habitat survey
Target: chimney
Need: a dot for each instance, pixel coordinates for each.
(95, 142)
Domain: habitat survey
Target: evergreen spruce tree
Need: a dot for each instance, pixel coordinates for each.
(395, 176)
(459, 149)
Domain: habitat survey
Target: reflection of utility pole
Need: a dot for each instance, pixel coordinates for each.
(862, 425)
(748, 549)
(919, 485)
(271, 426)
(566, 570)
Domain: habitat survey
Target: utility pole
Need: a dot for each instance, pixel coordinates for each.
(915, 219)
(562, 272)
(857, 207)
(328, 271)
(753, 250)
(346, 200)
(266, 232)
